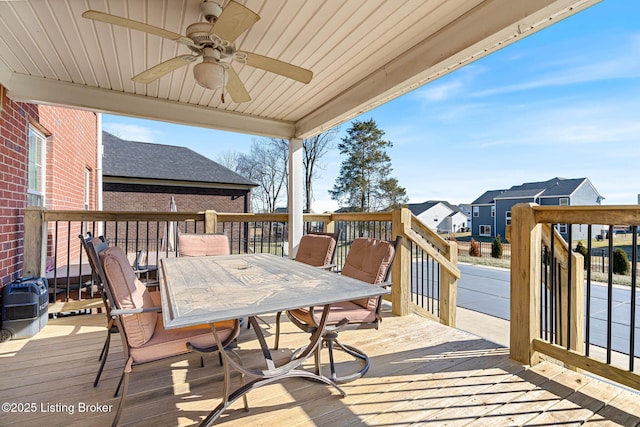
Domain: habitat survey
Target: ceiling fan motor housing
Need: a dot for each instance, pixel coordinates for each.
(211, 10)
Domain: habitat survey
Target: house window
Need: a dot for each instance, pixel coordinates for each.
(507, 217)
(564, 201)
(493, 211)
(562, 228)
(37, 156)
(476, 211)
(485, 230)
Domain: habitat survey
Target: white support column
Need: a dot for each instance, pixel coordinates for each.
(295, 198)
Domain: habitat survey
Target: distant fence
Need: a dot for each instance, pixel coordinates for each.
(485, 249)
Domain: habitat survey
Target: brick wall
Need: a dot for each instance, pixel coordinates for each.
(14, 122)
(71, 147)
(152, 198)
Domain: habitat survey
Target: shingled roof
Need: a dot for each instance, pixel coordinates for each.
(143, 160)
(418, 208)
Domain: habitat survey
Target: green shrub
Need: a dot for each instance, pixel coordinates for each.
(581, 249)
(496, 247)
(474, 248)
(620, 262)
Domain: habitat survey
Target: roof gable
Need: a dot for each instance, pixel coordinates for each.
(419, 208)
(143, 160)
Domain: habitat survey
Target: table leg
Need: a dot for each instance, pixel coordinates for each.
(272, 373)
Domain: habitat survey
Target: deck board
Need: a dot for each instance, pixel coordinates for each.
(422, 373)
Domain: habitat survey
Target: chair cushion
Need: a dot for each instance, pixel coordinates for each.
(368, 260)
(171, 342)
(129, 292)
(316, 249)
(341, 310)
(203, 244)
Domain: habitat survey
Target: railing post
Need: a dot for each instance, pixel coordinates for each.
(210, 222)
(525, 283)
(449, 288)
(35, 242)
(401, 273)
(330, 226)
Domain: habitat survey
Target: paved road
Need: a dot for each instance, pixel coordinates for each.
(486, 290)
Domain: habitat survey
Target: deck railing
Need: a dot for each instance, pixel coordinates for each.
(557, 309)
(52, 247)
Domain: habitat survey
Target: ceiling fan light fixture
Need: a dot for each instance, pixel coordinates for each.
(210, 75)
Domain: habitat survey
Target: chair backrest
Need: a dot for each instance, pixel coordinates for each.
(125, 291)
(99, 244)
(370, 260)
(317, 249)
(203, 244)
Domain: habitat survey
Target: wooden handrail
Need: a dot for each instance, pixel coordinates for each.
(402, 223)
(431, 251)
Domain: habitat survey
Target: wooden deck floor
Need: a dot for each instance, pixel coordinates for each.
(422, 373)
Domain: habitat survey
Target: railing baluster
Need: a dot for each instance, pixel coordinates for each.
(632, 314)
(588, 298)
(610, 295)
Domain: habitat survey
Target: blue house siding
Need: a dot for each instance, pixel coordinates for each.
(484, 218)
(576, 192)
(502, 207)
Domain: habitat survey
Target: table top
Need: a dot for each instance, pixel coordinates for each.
(197, 290)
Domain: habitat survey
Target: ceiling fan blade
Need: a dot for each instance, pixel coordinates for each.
(236, 88)
(136, 25)
(234, 20)
(154, 73)
(275, 66)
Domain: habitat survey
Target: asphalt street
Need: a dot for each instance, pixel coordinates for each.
(486, 290)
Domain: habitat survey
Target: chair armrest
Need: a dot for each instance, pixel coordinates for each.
(327, 266)
(120, 312)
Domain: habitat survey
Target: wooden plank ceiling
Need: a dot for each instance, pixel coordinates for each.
(362, 53)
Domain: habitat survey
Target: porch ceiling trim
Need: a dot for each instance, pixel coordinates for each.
(46, 91)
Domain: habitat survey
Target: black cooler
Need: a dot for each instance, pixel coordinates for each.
(25, 307)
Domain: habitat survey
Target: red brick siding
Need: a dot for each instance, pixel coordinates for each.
(14, 125)
(71, 148)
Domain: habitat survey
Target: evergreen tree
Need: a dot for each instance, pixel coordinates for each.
(364, 183)
(496, 247)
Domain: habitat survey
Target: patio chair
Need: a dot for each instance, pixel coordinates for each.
(203, 244)
(369, 260)
(316, 249)
(137, 314)
(99, 244)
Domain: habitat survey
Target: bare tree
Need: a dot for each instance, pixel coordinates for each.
(267, 164)
(229, 159)
(314, 149)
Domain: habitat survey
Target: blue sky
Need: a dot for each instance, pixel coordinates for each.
(562, 102)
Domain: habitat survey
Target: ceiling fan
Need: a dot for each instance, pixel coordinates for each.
(214, 41)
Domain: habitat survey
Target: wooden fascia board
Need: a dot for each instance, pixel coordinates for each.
(490, 26)
(39, 90)
(170, 183)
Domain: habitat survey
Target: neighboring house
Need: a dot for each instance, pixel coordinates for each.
(491, 212)
(140, 176)
(48, 158)
(440, 216)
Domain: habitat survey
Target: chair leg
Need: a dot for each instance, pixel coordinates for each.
(105, 347)
(118, 386)
(103, 358)
(353, 352)
(275, 347)
(125, 377)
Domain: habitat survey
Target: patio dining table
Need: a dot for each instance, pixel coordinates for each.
(204, 290)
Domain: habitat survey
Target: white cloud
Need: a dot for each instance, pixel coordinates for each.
(132, 132)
